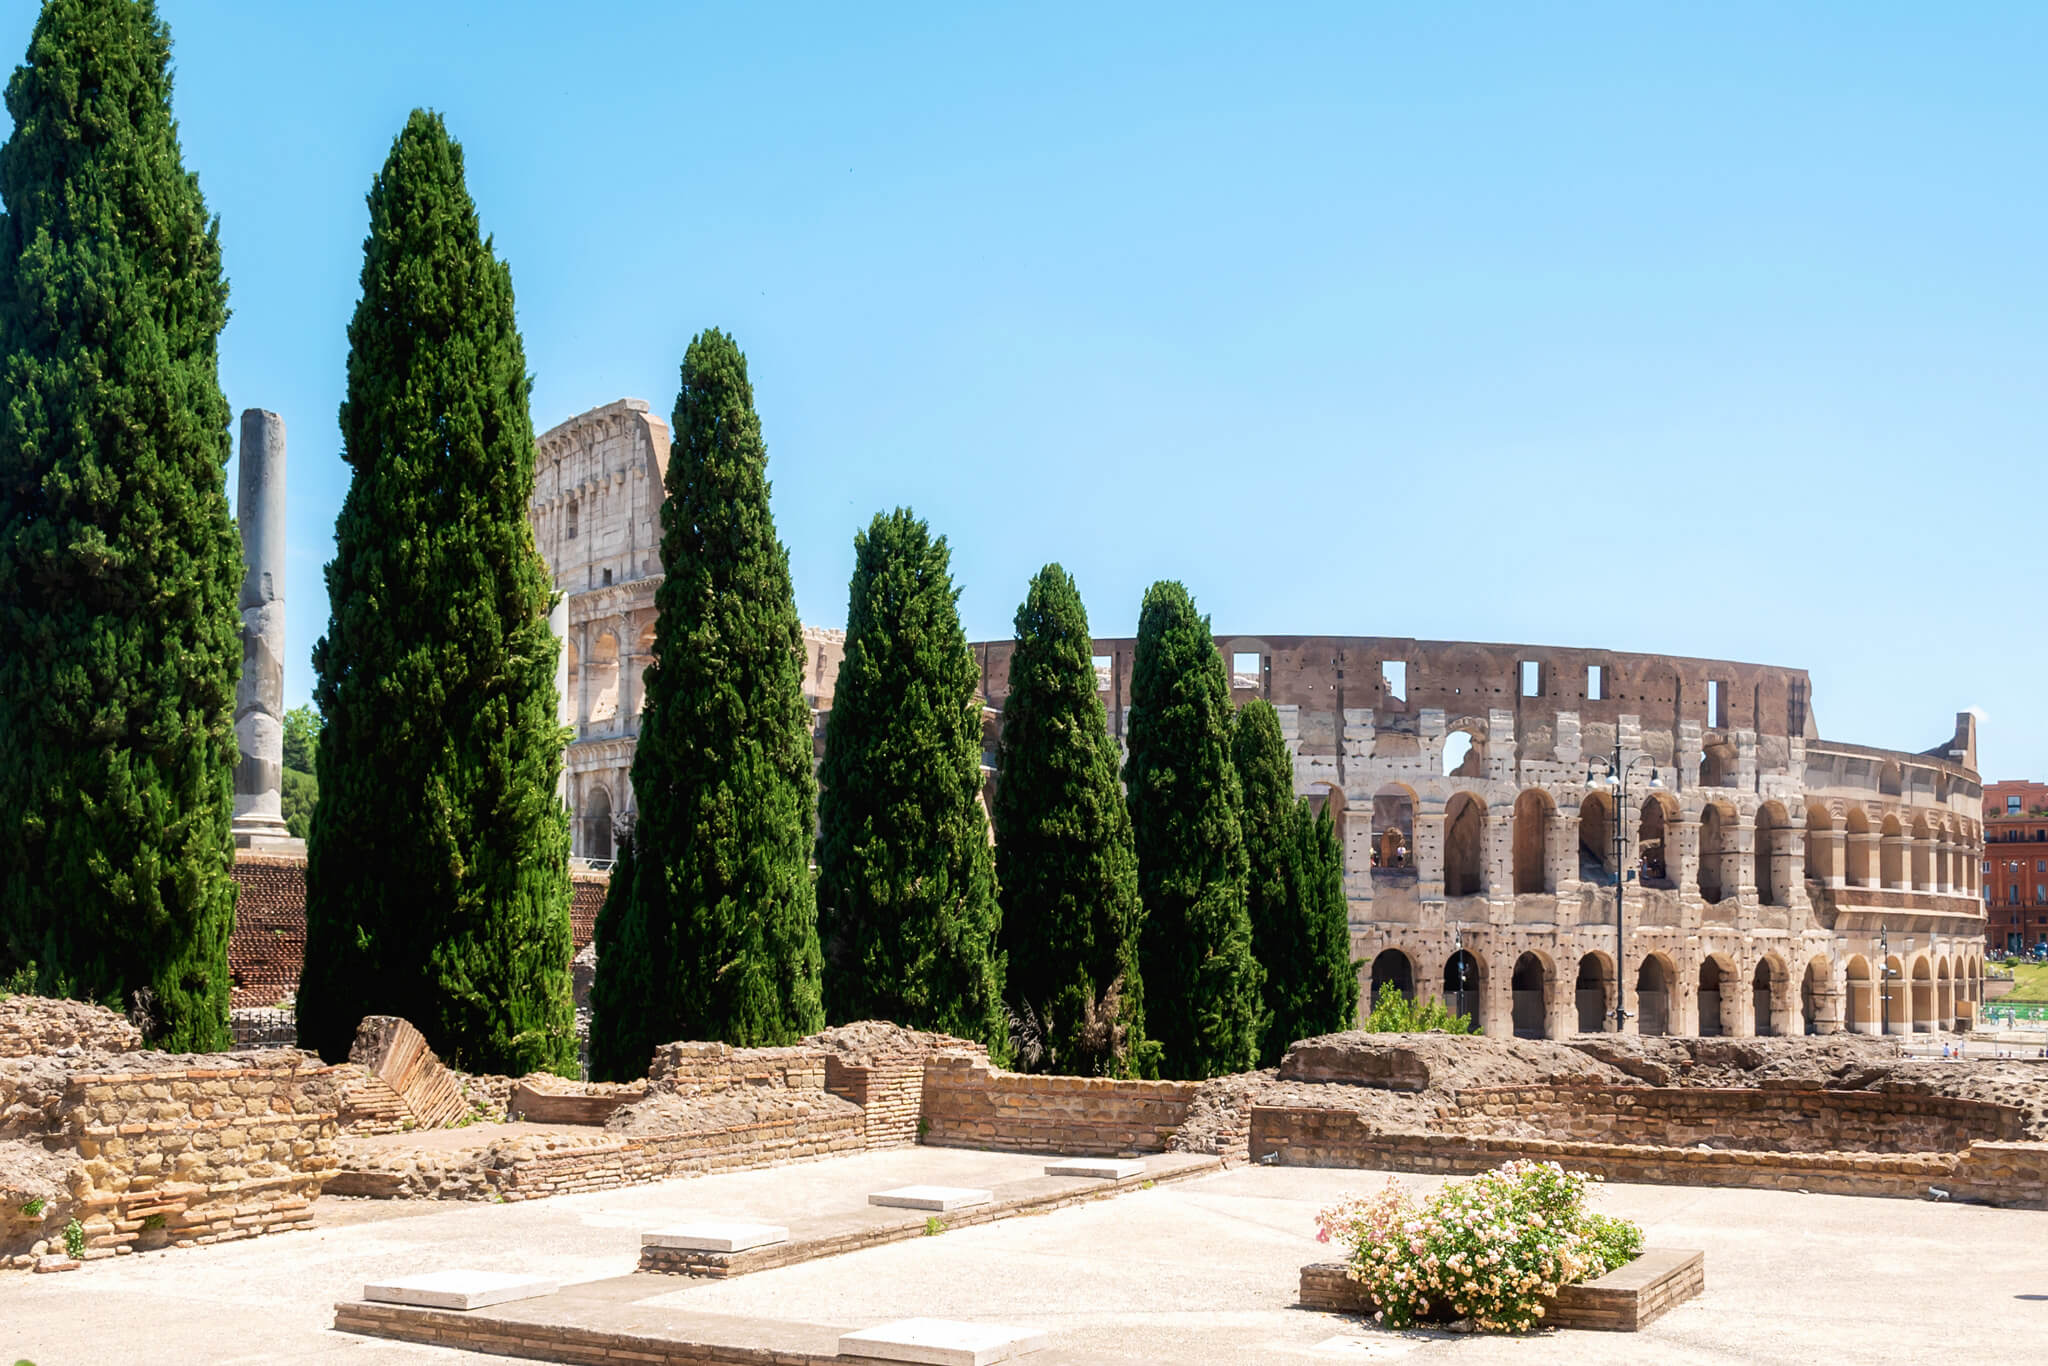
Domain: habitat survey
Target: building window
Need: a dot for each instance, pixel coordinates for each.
(2012, 896)
(2012, 806)
(571, 535)
(607, 578)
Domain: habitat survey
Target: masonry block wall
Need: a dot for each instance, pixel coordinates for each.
(969, 1104)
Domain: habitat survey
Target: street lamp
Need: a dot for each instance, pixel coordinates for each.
(1616, 780)
(1884, 955)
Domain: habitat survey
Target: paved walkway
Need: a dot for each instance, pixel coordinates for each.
(1197, 1271)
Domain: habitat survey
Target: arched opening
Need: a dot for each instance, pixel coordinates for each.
(1533, 810)
(1717, 764)
(1813, 991)
(1393, 825)
(604, 679)
(1716, 846)
(1593, 993)
(1856, 854)
(1465, 752)
(1463, 982)
(1820, 846)
(1653, 996)
(1532, 996)
(1712, 978)
(1763, 997)
(1596, 839)
(1392, 968)
(1652, 839)
(1862, 1002)
(597, 824)
(1921, 860)
(1888, 780)
(1891, 860)
(1944, 996)
(1770, 823)
(1923, 996)
(1464, 846)
(1894, 998)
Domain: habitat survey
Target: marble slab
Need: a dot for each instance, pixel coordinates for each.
(460, 1289)
(942, 1342)
(715, 1237)
(1111, 1168)
(939, 1198)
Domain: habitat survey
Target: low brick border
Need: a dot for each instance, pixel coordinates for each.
(686, 1262)
(1626, 1299)
(471, 1332)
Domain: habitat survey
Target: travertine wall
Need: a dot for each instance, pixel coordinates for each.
(691, 1068)
(32, 1025)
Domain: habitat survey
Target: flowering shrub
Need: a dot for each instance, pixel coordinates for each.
(1490, 1249)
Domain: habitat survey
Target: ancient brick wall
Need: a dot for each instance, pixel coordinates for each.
(890, 1094)
(969, 1104)
(268, 946)
(1758, 1119)
(686, 1068)
(407, 1085)
(174, 1150)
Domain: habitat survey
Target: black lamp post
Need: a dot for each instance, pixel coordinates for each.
(1609, 781)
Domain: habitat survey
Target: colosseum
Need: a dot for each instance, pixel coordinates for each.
(1493, 800)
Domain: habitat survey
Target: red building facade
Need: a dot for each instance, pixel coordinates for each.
(2015, 866)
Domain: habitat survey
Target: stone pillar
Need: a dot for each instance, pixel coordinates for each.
(1904, 845)
(259, 697)
(1561, 851)
(1944, 862)
(1838, 858)
(1426, 852)
(582, 680)
(1828, 1010)
(1682, 861)
(1873, 864)
(558, 624)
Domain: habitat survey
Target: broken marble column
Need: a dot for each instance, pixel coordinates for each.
(259, 700)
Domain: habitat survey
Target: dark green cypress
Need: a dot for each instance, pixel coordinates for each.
(119, 567)
(1064, 860)
(1328, 997)
(906, 881)
(1201, 981)
(710, 928)
(438, 866)
(1274, 880)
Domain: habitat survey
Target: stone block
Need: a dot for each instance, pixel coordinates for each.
(715, 1237)
(460, 1289)
(939, 1198)
(1109, 1168)
(942, 1342)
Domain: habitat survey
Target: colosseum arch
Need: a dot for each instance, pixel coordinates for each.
(1771, 826)
(1393, 826)
(1823, 862)
(1593, 992)
(1656, 985)
(1891, 854)
(1533, 811)
(1771, 996)
(1465, 984)
(1922, 995)
(1464, 845)
(604, 679)
(1596, 838)
(597, 822)
(1861, 1004)
(1717, 852)
(1533, 983)
(1858, 868)
(1717, 763)
(1391, 967)
(1719, 1003)
(1816, 987)
(1653, 838)
(1944, 994)
(1464, 758)
(1922, 855)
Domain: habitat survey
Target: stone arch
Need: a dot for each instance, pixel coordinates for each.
(1391, 967)
(1771, 824)
(1465, 984)
(1770, 996)
(1890, 779)
(1922, 995)
(1861, 1005)
(1469, 759)
(1719, 1006)
(1856, 862)
(1464, 845)
(1891, 860)
(1653, 838)
(597, 822)
(1816, 988)
(1920, 855)
(1596, 838)
(1593, 992)
(1393, 826)
(1944, 994)
(1717, 764)
(1656, 983)
(604, 678)
(1822, 849)
(1533, 811)
(1717, 852)
(1531, 986)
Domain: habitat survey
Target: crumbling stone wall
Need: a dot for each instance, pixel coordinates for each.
(32, 1026)
(969, 1104)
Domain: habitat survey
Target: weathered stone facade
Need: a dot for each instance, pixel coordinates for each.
(596, 515)
(1764, 872)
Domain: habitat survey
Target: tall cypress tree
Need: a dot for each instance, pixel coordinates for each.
(1327, 998)
(906, 881)
(1201, 981)
(710, 929)
(1064, 859)
(438, 866)
(119, 566)
(1273, 873)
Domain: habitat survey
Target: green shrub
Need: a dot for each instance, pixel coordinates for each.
(74, 1239)
(1394, 1013)
(32, 1208)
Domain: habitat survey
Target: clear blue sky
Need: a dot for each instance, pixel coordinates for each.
(1708, 330)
